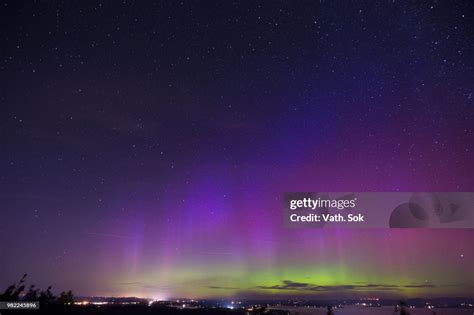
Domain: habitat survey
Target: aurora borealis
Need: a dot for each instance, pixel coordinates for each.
(145, 148)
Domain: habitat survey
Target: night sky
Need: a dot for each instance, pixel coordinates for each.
(145, 147)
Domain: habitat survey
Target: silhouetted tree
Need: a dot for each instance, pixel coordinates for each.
(12, 293)
(49, 303)
(6, 296)
(16, 294)
(46, 297)
(32, 294)
(65, 298)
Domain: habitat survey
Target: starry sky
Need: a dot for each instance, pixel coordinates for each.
(145, 147)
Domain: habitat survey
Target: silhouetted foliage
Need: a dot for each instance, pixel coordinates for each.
(65, 298)
(14, 293)
(46, 297)
(32, 294)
